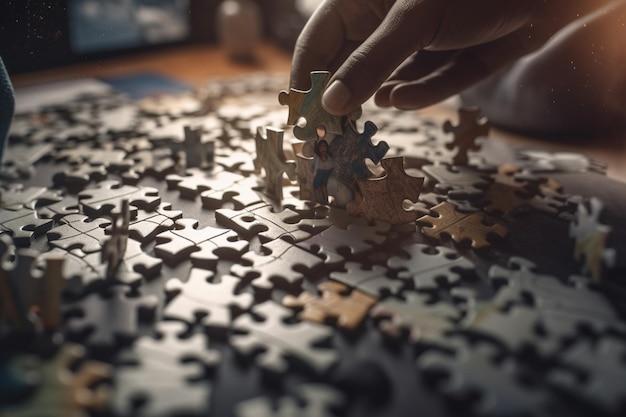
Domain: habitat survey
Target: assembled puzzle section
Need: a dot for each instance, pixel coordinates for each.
(473, 278)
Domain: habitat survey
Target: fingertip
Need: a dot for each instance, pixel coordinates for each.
(337, 97)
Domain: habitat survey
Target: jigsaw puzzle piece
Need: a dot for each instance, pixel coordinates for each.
(284, 267)
(383, 198)
(427, 264)
(206, 299)
(335, 242)
(469, 128)
(23, 225)
(109, 315)
(457, 182)
(261, 220)
(415, 316)
(108, 196)
(209, 244)
(308, 105)
(147, 224)
(475, 368)
(279, 341)
(154, 378)
(79, 232)
(196, 181)
(373, 281)
(475, 227)
(271, 157)
(336, 303)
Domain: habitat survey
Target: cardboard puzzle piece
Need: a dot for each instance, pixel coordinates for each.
(198, 152)
(76, 231)
(108, 196)
(147, 224)
(245, 192)
(373, 280)
(311, 400)
(271, 157)
(196, 181)
(65, 390)
(205, 246)
(535, 160)
(279, 341)
(382, 198)
(459, 226)
(465, 133)
(563, 307)
(261, 220)
(416, 317)
(15, 197)
(475, 369)
(591, 237)
(206, 299)
(163, 376)
(65, 204)
(336, 303)
(284, 267)
(23, 225)
(109, 315)
(20, 158)
(308, 105)
(426, 265)
(457, 182)
(359, 237)
(595, 373)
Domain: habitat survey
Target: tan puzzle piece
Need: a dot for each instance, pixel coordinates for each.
(271, 157)
(349, 310)
(460, 226)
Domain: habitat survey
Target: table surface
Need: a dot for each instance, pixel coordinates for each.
(195, 64)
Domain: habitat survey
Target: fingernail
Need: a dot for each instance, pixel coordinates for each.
(336, 97)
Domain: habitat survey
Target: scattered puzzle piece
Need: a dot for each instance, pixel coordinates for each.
(279, 341)
(204, 298)
(469, 128)
(474, 227)
(348, 308)
(271, 157)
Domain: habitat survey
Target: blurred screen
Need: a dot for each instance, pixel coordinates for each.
(101, 25)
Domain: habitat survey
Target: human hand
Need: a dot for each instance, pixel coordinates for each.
(414, 53)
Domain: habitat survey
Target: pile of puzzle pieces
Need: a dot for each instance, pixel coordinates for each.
(167, 258)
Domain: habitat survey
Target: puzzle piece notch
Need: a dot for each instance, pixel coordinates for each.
(469, 128)
(308, 105)
(383, 198)
(271, 157)
(337, 303)
(460, 227)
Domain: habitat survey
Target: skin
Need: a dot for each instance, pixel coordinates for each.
(410, 54)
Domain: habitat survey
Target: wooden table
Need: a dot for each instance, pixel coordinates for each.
(195, 64)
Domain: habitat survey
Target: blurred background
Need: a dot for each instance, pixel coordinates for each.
(42, 34)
